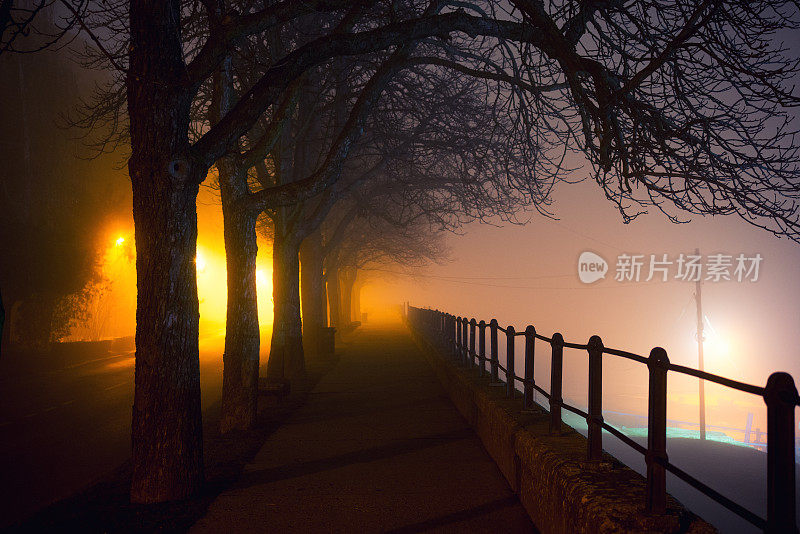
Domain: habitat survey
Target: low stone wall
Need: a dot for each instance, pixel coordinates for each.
(560, 489)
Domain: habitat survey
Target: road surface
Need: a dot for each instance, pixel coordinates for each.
(62, 430)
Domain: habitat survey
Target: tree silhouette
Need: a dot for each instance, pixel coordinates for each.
(684, 106)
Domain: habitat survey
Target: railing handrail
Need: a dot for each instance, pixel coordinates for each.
(780, 395)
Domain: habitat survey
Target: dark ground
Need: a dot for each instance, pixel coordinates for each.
(65, 442)
(65, 427)
(105, 507)
(369, 441)
(377, 447)
(67, 431)
(60, 430)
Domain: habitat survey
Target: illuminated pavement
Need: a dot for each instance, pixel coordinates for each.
(62, 430)
(377, 447)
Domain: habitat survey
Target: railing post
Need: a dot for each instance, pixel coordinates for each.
(595, 419)
(493, 343)
(465, 347)
(458, 338)
(472, 324)
(451, 335)
(452, 332)
(482, 345)
(527, 388)
(656, 456)
(510, 374)
(780, 396)
(448, 320)
(556, 364)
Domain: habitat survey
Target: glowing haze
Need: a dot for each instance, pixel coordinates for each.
(528, 275)
(112, 311)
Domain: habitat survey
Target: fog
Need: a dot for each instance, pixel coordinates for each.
(528, 274)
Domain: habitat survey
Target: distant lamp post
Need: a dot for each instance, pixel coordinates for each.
(700, 338)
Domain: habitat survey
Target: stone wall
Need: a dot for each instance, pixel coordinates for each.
(560, 489)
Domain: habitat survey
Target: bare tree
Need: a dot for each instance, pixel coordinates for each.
(674, 103)
(28, 26)
(372, 241)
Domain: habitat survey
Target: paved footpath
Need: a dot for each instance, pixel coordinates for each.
(378, 447)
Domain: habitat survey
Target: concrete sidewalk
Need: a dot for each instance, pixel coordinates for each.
(378, 447)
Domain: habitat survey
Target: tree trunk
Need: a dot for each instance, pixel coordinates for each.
(357, 299)
(312, 291)
(242, 342)
(348, 278)
(334, 296)
(286, 358)
(166, 432)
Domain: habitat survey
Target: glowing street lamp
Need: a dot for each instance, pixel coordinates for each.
(119, 241)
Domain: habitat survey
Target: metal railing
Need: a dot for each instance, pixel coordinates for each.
(780, 395)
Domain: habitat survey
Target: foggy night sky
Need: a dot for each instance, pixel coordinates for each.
(758, 321)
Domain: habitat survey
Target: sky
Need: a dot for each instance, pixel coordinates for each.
(528, 274)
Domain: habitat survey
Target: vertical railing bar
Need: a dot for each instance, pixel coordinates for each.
(465, 348)
(472, 324)
(656, 456)
(527, 388)
(556, 365)
(482, 345)
(510, 382)
(595, 420)
(457, 352)
(780, 395)
(493, 342)
(449, 330)
(455, 335)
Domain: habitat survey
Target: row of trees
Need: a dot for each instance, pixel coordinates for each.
(355, 130)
